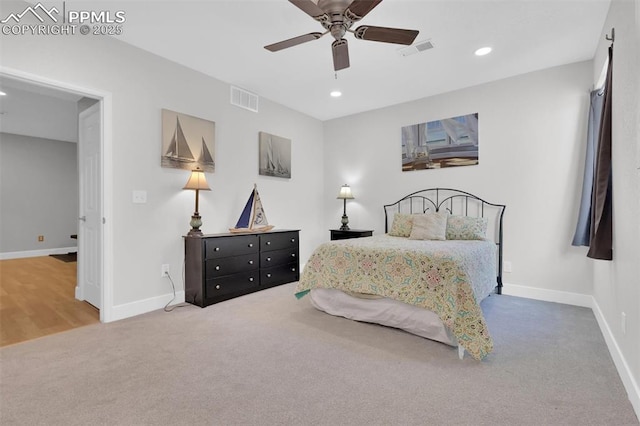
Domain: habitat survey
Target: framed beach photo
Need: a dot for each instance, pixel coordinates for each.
(274, 155)
(187, 142)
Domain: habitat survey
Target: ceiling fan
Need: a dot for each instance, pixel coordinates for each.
(337, 17)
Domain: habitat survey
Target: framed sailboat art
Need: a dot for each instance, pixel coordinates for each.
(275, 156)
(187, 142)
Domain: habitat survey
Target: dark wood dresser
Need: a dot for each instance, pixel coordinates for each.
(223, 266)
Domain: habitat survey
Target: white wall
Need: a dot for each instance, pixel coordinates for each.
(617, 283)
(531, 131)
(141, 84)
(38, 193)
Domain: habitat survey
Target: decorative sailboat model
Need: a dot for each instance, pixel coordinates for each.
(253, 218)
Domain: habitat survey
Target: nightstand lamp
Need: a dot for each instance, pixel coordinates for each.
(198, 182)
(345, 194)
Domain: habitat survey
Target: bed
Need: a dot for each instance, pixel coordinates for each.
(440, 256)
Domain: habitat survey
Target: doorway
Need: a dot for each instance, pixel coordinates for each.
(93, 259)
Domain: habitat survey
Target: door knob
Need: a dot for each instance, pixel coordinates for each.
(83, 218)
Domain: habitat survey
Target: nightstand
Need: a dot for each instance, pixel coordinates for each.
(337, 234)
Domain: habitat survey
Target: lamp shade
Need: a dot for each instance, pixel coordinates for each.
(197, 180)
(345, 193)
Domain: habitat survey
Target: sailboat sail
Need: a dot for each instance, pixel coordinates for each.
(259, 216)
(270, 166)
(253, 217)
(245, 217)
(205, 154)
(178, 147)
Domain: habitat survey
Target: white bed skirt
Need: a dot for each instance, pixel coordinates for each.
(383, 311)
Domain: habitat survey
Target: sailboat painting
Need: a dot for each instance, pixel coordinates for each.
(275, 156)
(253, 218)
(187, 142)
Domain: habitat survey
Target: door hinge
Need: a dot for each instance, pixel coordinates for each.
(104, 220)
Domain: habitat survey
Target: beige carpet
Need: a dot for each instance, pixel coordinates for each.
(269, 359)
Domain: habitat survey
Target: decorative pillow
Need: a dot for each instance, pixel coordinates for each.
(466, 228)
(401, 226)
(430, 226)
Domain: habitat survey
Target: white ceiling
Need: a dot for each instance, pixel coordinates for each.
(225, 39)
(38, 111)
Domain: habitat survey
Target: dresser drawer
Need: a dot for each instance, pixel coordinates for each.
(278, 241)
(230, 265)
(279, 274)
(230, 246)
(278, 257)
(237, 283)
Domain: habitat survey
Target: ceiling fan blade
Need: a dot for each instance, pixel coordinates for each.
(386, 35)
(358, 9)
(340, 54)
(293, 41)
(310, 8)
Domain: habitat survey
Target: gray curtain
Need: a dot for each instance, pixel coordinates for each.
(601, 231)
(583, 228)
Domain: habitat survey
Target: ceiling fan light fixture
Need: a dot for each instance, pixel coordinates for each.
(335, 94)
(483, 51)
(337, 17)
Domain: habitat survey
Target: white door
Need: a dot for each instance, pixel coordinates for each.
(90, 218)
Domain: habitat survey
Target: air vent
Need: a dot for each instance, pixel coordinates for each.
(420, 46)
(244, 99)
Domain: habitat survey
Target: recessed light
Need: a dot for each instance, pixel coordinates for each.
(2, 93)
(336, 94)
(483, 51)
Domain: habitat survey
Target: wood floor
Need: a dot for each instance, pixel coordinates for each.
(37, 298)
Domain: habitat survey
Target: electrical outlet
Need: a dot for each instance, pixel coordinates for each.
(506, 266)
(40, 238)
(164, 270)
(623, 323)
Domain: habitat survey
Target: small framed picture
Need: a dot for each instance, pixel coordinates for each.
(187, 142)
(275, 155)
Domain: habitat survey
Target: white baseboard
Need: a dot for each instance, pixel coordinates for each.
(630, 384)
(587, 301)
(139, 307)
(36, 253)
(556, 296)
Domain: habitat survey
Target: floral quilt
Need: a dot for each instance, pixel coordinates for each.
(446, 277)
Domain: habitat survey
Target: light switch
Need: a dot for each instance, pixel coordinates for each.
(139, 197)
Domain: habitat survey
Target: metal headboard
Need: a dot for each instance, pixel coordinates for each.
(453, 201)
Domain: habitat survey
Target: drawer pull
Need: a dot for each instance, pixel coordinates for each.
(268, 243)
(268, 275)
(293, 269)
(218, 287)
(251, 262)
(293, 255)
(293, 240)
(217, 268)
(268, 259)
(216, 249)
(250, 244)
(250, 279)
